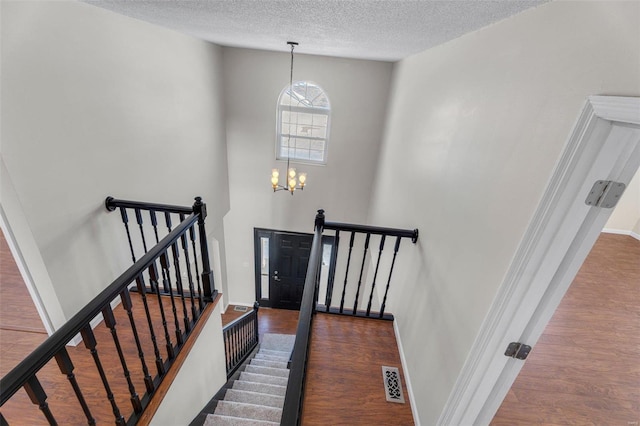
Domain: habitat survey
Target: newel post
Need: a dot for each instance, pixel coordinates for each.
(319, 220)
(208, 287)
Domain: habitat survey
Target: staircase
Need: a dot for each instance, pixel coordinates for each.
(257, 396)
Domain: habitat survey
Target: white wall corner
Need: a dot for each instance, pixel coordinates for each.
(407, 379)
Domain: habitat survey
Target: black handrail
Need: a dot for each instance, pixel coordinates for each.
(292, 409)
(241, 336)
(17, 377)
(295, 386)
(111, 204)
(167, 252)
(393, 232)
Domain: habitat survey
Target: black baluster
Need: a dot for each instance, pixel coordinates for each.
(110, 322)
(164, 263)
(226, 348)
(395, 252)
(331, 276)
(375, 274)
(3, 421)
(208, 287)
(125, 220)
(179, 287)
(143, 293)
(39, 398)
(140, 225)
(364, 258)
(153, 274)
(346, 273)
(256, 307)
(66, 367)
(185, 249)
(90, 343)
(154, 224)
(192, 237)
(128, 306)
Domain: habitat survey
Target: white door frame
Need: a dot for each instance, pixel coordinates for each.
(604, 144)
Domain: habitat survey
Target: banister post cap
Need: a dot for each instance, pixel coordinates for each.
(108, 205)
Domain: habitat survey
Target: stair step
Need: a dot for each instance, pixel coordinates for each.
(284, 354)
(248, 411)
(257, 398)
(219, 420)
(277, 390)
(271, 357)
(269, 363)
(263, 378)
(267, 371)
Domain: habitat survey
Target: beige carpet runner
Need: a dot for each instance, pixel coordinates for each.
(257, 396)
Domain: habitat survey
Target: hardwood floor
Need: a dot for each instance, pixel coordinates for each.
(585, 368)
(21, 329)
(280, 321)
(344, 377)
(344, 384)
(20, 411)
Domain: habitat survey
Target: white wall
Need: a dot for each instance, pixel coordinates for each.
(199, 378)
(97, 104)
(474, 130)
(358, 91)
(625, 217)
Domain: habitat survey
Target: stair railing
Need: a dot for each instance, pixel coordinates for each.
(360, 305)
(240, 339)
(292, 409)
(298, 366)
(153, 267)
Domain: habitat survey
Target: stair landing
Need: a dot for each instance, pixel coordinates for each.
(344, 375)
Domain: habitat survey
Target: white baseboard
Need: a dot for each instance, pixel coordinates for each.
(414, 407)
(622, 232)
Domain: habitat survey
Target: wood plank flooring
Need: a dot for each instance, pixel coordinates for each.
(279, 321)
(344, 377)
(20, 411)
(344, 384)
(585, 368)
(21, 329)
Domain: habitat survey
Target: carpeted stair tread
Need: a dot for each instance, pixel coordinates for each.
(271, 357)
(263, 378)
(277, 390)
(268, 371)
(282, 354)
(248, 411)
(278, 342)
(257, 398)
(219, 420)
(269, 363)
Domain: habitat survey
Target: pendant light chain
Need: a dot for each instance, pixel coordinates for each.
(292, 182)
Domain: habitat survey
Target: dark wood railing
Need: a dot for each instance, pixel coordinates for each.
(292, 409)
(240, 339)
(358, 303)
(298, 366)
(155, 267)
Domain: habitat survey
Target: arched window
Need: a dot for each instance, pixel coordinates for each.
(303, 123)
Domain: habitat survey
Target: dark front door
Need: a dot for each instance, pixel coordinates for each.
(288, 260)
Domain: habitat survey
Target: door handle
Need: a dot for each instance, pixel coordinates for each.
(275, 278)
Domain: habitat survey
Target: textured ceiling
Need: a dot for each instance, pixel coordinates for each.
(386, 30)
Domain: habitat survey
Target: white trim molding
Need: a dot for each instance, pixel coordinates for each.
(407, 379)
(621, 232)
(604, 144)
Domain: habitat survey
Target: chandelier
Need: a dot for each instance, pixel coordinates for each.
(292, 179)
